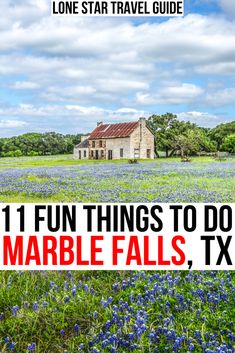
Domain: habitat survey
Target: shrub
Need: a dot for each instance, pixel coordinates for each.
(186, 159)
(133, 161)
(33, 153)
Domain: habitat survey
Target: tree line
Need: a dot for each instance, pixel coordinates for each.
(171, 136)
(36, 144)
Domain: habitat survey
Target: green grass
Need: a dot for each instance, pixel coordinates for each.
(48, 161)
(68, 160)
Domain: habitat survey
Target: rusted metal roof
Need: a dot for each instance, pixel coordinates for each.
(113, 130)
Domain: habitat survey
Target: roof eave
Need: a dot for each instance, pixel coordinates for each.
(109, 137)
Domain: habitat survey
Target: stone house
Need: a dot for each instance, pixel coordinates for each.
(131, 140)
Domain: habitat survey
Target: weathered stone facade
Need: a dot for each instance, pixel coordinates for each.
(81, 151)
(142, 142)
(138, 144)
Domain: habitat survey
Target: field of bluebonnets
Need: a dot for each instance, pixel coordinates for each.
(203, 180)
(117, 312)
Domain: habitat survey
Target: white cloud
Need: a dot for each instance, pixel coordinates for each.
(70, 92)
(91, 64)
(171, 94)
(127, 111)
(22, 12)
(11, 124)
(25, 85)
(200, 118)
(222, 68)
(88, 113)
(193, 40)
(221, 97)
(107, 114)
(85, 110)
(82, 60)
(117, 85)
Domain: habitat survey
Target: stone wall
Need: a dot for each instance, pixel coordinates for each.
(94, 145)
(142, 140)
(80, 153)
(116, 144)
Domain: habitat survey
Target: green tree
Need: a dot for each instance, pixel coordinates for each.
(171, 133)
(229, 144)
(220, 132)
(163, 128)
(188, 144)
(38, 144)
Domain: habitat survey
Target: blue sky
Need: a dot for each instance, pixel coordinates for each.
(64, 74)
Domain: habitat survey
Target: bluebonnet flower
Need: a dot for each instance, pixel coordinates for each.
(81, 346)
(66, 299)
(15, 309)
(95, 314)
(85, 287)
(76, 328)
(11, 345)
(31, 347)
(35, 306)
(191, 347)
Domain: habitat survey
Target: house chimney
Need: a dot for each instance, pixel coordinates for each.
(142, 120)
(84, 137)
(99, 123)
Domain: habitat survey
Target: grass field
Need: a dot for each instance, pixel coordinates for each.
(61, 179)
(116, 311)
